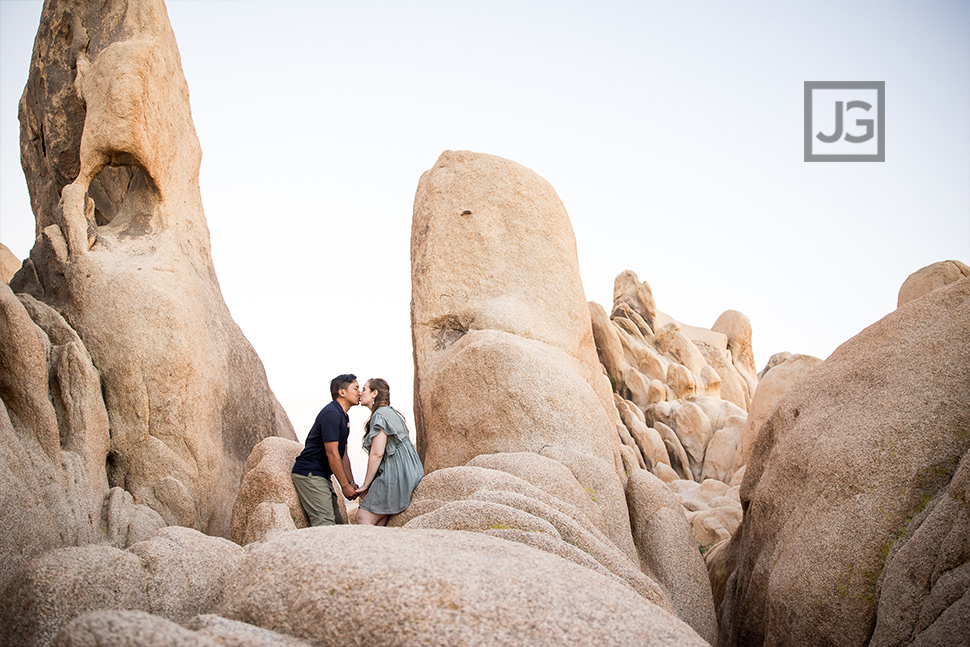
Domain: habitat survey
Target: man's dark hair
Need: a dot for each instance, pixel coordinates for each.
(340, 382)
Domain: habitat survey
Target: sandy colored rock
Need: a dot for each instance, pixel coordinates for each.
(519, 517)
(139, 629)
(650, 442)
(681, 381)
(708, 528)
(507, 265)
(643, 357)
(64, 583)
(773, 361)
(737, 328)
(676, 346)
(668, 552)
(186, 571)
(608, 346)
(665, 473)
(24, 380)
(679, 461)
(127, 629)
(53, 435)
(828, 496)
(776, 382)
(125, 522)
(925, 587)
(624, 316)
(694, 429)
(628, 290)
(460, 483)
(9, 264)
(266, 479)
(733, 387)
(230, 633)
(122, 252)
(929, 278)
(550, 476)
(497, 301)
(720, 454)
(177, 573)
(437, 588)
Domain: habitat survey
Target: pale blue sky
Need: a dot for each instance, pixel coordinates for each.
(672, 131)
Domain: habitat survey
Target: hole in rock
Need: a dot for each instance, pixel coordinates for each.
(125, 199)
(447, 330)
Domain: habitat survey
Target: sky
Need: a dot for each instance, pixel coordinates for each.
(672, 131)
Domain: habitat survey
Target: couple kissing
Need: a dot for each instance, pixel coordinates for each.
(393, 466)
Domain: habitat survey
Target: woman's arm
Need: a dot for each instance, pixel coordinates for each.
(374, 459)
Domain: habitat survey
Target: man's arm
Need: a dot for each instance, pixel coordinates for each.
(337, 467)
(348, 470)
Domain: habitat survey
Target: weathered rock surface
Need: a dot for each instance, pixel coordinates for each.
(773, 386)
(178, 573)
(9, 264)
(267, 503)
(667, 552)
(61, 584)
(497, 302)
(924, 589)
(122, 252)
(186, 571)
(931, 277)
(437, 588)
(266, 481)
(682, 394)
(851, 482)
(141, 629)
(522, 498)
(54, 441)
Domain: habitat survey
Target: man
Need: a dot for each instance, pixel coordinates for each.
(325, 454)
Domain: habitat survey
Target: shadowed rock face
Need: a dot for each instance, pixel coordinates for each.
(855, 526)
(122, 252)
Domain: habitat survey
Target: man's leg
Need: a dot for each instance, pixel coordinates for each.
(317, 498)
(336, 502)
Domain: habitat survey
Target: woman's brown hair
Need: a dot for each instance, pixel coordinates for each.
(382, 399)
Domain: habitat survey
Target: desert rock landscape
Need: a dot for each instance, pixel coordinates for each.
(594, 475)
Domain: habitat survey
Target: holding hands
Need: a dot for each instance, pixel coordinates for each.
(350, 491)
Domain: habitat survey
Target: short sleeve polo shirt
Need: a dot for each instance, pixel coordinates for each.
(331, 425)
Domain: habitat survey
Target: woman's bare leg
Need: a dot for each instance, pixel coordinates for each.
(367, 518)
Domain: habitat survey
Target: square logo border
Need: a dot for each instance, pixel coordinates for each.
(879, 87)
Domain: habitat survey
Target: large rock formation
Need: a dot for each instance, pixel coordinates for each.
(377, 586)
(855, 497)
(504, 358)
(122, 254)
(432, 587)
(507, 381)
(54, 442)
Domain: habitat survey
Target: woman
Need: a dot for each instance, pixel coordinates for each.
(393, 466)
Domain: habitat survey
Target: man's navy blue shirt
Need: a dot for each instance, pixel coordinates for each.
(329, 427)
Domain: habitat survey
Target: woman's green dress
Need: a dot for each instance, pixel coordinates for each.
(400, 469)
